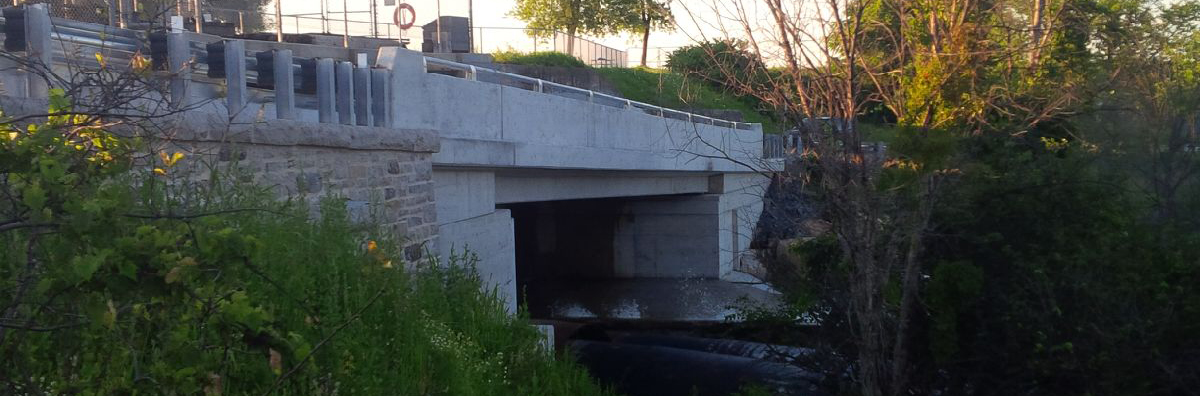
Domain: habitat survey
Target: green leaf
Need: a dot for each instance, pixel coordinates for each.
(59, 101)
(83, 267)
(34, 197)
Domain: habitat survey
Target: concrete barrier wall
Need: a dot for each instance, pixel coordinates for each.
(486, 124)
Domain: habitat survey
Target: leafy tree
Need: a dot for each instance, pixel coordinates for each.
(574, 16)
(642, 17)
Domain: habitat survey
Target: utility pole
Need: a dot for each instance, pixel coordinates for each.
(439, 27)
(345, 24)
(374, 19)
(199, 19)
(471, 23)
(325, 16)
(279, 21)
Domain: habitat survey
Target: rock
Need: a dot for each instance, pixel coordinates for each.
(815, 227)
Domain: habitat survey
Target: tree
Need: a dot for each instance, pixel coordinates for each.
(943, 69)
(643, 16)
(545, 17)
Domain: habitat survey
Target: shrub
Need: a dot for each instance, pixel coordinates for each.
(713, 61)
(541, 58)
(124, 279)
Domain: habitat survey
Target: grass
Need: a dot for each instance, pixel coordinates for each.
(433, 331)
(542, 58)
(674, 91)
(274, 301)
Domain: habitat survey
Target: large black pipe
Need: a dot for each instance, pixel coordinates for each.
(638, 370)
(753, 350)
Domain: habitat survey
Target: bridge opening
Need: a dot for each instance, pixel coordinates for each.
(626, 258)
(559, 244)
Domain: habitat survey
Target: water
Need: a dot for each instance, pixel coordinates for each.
(692, 300)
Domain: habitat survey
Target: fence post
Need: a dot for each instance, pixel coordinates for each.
(326, 91)
(123, 13)
(178, 56)
(380, 98)
(111, 10)
(345, 92)
(38, 50)
(285, 89)
(235, 75)
(362, 96)
(198, 19)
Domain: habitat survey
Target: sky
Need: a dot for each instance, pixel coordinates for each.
(497, 30)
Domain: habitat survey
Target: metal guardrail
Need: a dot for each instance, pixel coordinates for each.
(473, 73)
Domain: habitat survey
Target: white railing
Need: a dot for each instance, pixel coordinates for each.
(474, 73)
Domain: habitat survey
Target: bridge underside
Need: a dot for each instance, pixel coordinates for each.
(527, 226)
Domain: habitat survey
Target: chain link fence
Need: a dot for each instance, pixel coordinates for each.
(499, 39)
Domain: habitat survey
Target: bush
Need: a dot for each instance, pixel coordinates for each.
(715, 61)
(123, 279)
(542, 58)
(1041, 277)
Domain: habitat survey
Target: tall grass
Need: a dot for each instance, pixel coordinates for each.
(428, 328)
(213, 288)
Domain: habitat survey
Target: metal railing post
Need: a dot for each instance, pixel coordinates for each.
(362, 96)
(38, 50)
(178, 55)
(381, 100)
(285, 89)
(326, 92)
(235, 75)
(345, 92)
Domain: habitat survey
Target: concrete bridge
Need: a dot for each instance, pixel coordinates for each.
(535, 179)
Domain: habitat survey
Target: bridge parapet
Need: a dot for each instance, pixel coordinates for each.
(487, 117)
(496, 119)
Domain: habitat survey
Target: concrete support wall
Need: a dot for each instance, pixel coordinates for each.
(468, 222)
(674, 237)
(489, 238)
(699, 236)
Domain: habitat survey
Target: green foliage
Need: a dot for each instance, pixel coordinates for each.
(715, 61)
(572, 16)
(639, 16)
(124, 275)
(675, 91)
(541, 58)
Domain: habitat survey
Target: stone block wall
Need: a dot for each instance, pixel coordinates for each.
(385, 175)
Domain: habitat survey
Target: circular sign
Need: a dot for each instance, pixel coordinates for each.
(398, 16)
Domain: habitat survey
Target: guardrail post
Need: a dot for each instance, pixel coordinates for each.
(345, 92)
(178, 55)
(326, 93)
(362, 96)
(235, 75)
(381, 101)
(285, 89)
(38, 50)
(12, 75)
